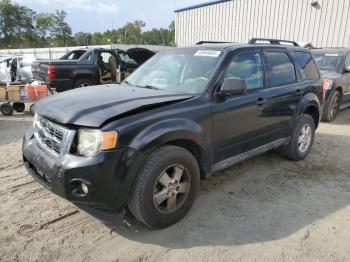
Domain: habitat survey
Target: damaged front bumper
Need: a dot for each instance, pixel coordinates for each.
(108, 177)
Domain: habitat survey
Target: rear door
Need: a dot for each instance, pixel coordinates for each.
(288, 85)
(241, 122)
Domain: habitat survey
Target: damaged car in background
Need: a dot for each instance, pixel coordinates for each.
(86, 67)
(334, 65)
(18, 69)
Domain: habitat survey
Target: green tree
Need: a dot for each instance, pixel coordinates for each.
(133, 32)
(43, 25)
(61, 29)
(82, 38)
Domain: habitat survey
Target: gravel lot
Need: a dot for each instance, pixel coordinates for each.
(265, 209)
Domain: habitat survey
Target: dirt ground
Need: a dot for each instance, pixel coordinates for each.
(265, 209)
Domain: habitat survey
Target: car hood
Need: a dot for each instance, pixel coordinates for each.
(92, 106)
(327, 74)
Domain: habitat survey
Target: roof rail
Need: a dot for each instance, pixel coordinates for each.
(212, 42)
(273, 41)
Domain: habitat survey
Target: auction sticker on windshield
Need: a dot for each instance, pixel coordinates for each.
(331, 55)
(210, 53)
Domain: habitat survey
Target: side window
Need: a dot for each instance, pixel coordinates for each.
(307, 65)
(347, 61)
(248, 67)
(282, 69)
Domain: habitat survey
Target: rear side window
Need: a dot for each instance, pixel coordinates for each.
(282, 68)
(307, 65)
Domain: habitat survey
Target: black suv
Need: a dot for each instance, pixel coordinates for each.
(184, 114)
(334, 65)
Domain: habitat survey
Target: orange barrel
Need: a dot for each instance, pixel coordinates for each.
(30, 92)
(41, 91)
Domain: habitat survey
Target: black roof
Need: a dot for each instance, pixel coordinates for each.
(232, 46)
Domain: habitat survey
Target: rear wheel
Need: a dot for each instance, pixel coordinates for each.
(6, 109)
(165, 188)
(83, 83)
(19, 107)
(302, 138)
(332, 107)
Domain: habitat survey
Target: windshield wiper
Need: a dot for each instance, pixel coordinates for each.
(151, 87)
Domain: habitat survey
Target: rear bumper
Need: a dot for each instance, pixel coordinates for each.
(61, 84)
(108, 175)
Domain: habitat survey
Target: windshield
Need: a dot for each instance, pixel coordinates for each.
(327, 61)
(126, 58)
(178, 70)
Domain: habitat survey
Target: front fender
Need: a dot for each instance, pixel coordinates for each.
(171, 130)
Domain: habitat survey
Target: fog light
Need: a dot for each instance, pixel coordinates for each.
(84, 188)
(80, 187)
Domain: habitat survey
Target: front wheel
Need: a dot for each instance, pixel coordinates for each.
(166, 187)
(332, 107)
(302, 138)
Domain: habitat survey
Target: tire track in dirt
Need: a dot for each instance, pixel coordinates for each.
(57, 219)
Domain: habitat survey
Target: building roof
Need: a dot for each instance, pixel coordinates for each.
(201, 5)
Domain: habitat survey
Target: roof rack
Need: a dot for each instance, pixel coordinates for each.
(212, 42)
(273, 41)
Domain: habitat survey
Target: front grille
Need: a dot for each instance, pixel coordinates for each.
(53, 137)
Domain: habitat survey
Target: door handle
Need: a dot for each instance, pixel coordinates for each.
(261, 101)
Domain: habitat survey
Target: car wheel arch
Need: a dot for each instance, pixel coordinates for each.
(182, 133)
(310, 104)
(340, 90)
(313, 111)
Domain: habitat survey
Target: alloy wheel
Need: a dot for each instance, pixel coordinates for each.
(171, 189)
(305, 137)
(335, 107)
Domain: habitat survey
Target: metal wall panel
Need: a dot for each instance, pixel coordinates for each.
(239, 20)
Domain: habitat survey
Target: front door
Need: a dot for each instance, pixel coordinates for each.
(240, 122)
(346, 98)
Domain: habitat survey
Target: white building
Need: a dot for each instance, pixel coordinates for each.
(324, 23)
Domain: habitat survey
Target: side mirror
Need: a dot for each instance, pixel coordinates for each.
(233, 87)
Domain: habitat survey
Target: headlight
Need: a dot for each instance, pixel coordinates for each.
(92, 141)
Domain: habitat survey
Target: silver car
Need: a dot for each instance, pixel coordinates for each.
(17, 68)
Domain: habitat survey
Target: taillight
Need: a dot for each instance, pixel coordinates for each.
(326, 85)
(51, 72)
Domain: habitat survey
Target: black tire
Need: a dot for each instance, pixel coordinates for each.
(293, 149)
(19, 107)
(142, 202)
(83, 83)
(6, 109)
(332, 107)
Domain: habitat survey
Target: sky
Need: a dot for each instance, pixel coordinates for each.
(98, 16)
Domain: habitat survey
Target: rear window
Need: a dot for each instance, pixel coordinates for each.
(282, 68)
(307, 65)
